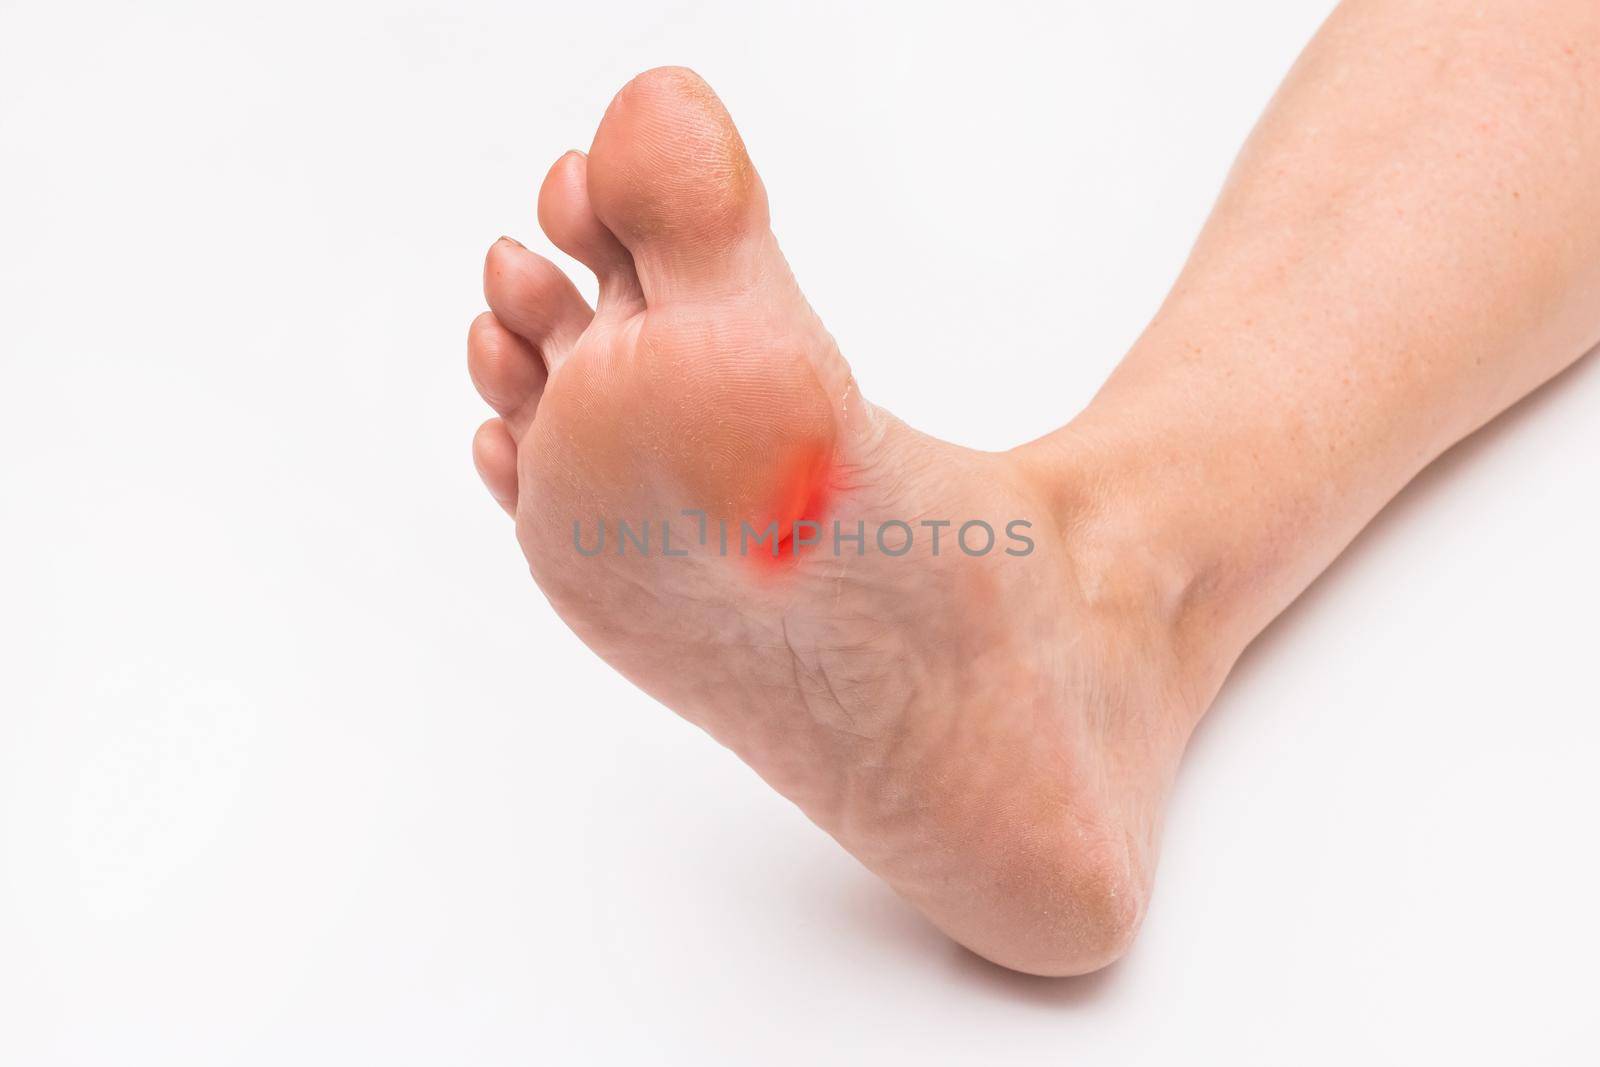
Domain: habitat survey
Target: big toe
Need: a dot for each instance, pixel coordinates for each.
(669, 175)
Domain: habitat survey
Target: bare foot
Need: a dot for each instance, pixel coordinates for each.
(993, 732)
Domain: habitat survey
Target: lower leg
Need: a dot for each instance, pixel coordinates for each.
(1409, 243)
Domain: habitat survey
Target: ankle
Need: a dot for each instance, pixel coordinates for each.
(1140, 554)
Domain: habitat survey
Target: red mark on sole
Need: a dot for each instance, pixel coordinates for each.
(799, 505)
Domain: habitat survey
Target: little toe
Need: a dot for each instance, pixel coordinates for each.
(494, 453)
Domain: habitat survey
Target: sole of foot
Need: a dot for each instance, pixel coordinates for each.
(949, 659)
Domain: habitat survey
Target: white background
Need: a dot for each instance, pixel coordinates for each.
(296, 765)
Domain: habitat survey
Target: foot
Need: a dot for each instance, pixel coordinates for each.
(993, 732)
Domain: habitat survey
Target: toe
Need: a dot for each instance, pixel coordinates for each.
(669, 176)
(494, 453)
(534, 299)
(568, 219)
(506, 370)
